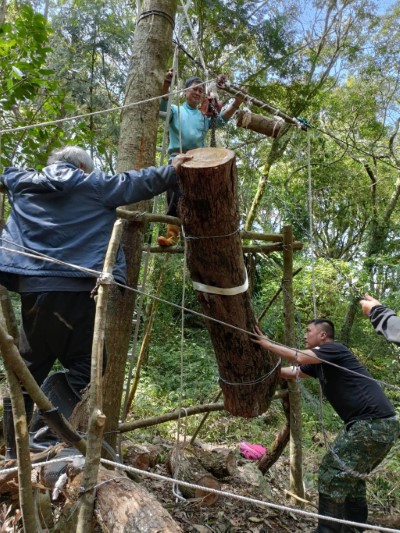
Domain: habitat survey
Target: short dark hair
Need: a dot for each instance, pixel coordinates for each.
(191, 81)
(326, 325)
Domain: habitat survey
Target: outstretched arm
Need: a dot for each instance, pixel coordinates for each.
(301, 357)
(384, 320)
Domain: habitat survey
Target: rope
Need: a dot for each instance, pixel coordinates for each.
(156, 12)
(256, 381)
(95, 273)
(311, 228)
(247, 499)
(84, 115)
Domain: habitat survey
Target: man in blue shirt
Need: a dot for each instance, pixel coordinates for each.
(188, 128)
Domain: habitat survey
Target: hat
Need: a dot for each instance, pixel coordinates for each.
(192, 80)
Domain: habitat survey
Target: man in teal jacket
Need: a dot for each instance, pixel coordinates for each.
(188, 128)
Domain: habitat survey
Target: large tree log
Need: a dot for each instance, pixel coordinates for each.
(210, 218)
(121, 504)
(184, 466)
(267, 126)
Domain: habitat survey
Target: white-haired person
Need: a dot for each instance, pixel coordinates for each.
(58, 231)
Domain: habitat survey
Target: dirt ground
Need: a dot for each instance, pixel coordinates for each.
(228, 514)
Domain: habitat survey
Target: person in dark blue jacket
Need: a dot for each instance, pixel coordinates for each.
(54, 243)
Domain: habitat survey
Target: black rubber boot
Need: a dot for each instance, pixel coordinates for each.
(8, 425)
(356, 510)
(64, 397)
(328, 507)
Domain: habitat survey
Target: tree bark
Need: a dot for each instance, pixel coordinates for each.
(296, 451)
(151, 50)
(210, 218)
(220, 462)
(259, 123)
(186, 467)
(121, 504)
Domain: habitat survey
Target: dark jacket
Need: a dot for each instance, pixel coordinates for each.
(68, 215)
(386, 323)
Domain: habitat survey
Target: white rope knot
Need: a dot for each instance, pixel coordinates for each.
(246, 118)
(105, 279)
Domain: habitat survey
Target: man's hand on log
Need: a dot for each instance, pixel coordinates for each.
(178, 160)
(264, 342)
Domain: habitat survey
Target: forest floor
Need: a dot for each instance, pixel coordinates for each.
(230, 514)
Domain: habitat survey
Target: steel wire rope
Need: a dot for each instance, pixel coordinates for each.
(96, 274)
(226, 494)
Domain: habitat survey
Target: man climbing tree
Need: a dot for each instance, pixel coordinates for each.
(55, 239)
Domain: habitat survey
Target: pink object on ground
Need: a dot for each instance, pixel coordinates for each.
(254, 452)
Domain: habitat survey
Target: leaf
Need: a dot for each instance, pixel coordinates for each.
(19, 73)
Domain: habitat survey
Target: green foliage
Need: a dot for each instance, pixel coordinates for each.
(29, 91)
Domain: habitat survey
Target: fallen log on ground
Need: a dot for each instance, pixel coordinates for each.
(185, 466)
(121, 504)
(220, 462)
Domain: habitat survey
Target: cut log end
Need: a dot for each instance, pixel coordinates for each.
(209, 157)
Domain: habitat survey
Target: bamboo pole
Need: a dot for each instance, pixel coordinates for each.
(97, 418)
(255, 248)
(144, 348)
(167, 417)
(296, 455)
(185, 411)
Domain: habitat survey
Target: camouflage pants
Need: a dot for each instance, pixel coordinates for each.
(356, 452)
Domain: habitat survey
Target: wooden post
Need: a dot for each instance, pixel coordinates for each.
(97, 418)
(296, 454)
(210, 218)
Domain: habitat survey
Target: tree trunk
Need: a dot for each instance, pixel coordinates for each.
(210, 218)
(149, 61)
(185, 466)
(259, 123)
(296, 452)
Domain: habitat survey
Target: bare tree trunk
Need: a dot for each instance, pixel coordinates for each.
(3, 10)
(210, 217)
(296, 452)
(151, 51)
